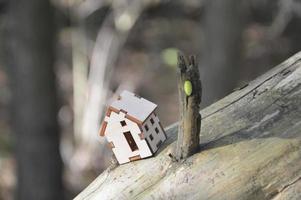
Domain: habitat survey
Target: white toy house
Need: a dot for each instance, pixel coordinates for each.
(132, 128)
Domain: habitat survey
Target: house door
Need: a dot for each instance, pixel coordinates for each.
(129, 138)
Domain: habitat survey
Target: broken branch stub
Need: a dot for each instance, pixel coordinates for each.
(190, 93)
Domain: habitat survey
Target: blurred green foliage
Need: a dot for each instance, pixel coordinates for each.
(169, 56)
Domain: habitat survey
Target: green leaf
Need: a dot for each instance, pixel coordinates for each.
(188, 88)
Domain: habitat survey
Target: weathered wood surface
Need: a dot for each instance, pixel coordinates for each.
(250, 149)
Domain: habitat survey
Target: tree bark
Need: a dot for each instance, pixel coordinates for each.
(190, 94)
(30, 44)
(223, 25)
(251, 149)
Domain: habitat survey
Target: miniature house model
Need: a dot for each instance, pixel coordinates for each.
(132, 128)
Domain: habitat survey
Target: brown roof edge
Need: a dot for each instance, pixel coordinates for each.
(113, 109)
(104, 123)
(133, 119)
(137, 121)
(108, 113)
(103, 128)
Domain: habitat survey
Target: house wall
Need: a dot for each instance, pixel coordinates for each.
(114, 133)
(154, 142)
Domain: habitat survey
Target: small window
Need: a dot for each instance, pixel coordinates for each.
(146, 127)
(123, 123)
(151, 137)
(129, 138)
(157, 130)
(152, 121)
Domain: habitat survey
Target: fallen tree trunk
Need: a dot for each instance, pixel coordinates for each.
(251, 149)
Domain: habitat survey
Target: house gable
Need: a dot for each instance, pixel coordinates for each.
(124, 135)
(108, 114)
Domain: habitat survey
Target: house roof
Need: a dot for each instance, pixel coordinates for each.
(135, 106)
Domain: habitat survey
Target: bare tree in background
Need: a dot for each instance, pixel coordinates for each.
(223, 26)
(30, 45)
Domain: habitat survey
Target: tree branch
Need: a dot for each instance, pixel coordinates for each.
(190, 93)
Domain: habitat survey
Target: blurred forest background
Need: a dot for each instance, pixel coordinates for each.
(62, 61)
